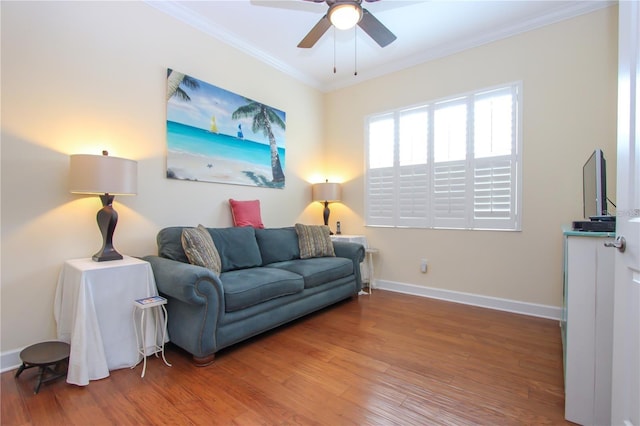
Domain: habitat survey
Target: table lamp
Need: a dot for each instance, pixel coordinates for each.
(326, 193)
(106, 176)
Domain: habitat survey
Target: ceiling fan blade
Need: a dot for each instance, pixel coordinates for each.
(316, 32)
(376, 30)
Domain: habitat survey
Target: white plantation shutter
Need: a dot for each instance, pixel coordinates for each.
(495, 163)
(462, 172)
(449, 194)
(380, 196)
(413, 195)
(381, 173)
(494, 194)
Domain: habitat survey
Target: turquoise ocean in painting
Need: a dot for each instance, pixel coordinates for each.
(191, 140)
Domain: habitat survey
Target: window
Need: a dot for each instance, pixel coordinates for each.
(454, 163)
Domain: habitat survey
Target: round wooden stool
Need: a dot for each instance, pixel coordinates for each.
(45, 355)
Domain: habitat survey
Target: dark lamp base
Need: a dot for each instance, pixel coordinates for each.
(325, 216)
(105, 256)
(107, 220)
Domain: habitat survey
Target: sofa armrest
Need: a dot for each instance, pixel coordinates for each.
(195, 304)
(188, 283)
(353, 251)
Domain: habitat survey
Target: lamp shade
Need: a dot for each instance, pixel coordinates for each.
(102, 174)
(326, 191)
(344, 16)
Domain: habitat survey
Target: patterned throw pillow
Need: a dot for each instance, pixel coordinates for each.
(200, 249)
(314, 241)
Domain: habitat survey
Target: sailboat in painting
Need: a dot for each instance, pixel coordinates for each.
(214, 126)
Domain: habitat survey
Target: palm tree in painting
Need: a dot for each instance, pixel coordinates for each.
(263, 118)
(175, 79)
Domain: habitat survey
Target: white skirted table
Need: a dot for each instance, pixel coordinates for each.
(93, 310)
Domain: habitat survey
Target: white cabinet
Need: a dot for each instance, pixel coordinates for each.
(587, 326)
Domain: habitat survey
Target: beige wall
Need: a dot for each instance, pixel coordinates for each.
(569, 74)
(79, 77)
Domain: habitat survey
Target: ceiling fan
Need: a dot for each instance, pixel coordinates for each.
(345, 14)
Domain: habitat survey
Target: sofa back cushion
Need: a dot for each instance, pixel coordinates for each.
(237, 247)
(170, 244)
(278, 244)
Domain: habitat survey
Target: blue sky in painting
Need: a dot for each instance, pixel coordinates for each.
(211, 101)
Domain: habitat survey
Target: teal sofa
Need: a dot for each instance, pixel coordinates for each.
(263, 284)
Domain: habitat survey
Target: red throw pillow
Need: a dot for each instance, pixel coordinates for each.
(246, 213)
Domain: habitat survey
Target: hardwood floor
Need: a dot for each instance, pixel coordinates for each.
(384, 359)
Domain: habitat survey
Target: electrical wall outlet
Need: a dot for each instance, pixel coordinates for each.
(423, 266)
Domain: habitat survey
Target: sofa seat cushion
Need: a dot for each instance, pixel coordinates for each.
(317, 270)
(248, 287)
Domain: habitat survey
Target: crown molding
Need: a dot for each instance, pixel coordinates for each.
(562, 12)
(178, 11)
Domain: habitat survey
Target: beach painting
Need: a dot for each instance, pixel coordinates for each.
(214, 135)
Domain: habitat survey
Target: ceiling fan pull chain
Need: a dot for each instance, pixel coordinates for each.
(355, 50)
(334, 50)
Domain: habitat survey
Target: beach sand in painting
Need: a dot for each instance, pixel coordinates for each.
(185, 166)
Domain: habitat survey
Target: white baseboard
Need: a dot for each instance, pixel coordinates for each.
(10, 360)
(524, 308)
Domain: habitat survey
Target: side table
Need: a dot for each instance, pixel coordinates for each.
(93, 308)
(370, 252)
(152, 305)
(366, 267)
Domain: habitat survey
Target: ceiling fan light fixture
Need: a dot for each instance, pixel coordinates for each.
(344, 16)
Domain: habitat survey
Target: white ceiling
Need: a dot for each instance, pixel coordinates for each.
(271, 29)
